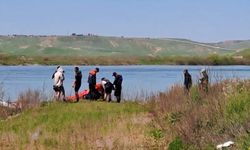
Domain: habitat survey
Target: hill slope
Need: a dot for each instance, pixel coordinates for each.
(110, 46)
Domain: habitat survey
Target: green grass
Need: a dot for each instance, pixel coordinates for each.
(173, 120)
(77, 125)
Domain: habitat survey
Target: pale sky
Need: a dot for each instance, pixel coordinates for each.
(200, 20)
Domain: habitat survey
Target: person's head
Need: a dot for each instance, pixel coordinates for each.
(97, 69)
(58, 67)
(103, 79)
(203, 71)
(185, 71)
(114, 74)
(76, 69)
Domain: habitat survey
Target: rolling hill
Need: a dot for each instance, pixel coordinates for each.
(113, 46)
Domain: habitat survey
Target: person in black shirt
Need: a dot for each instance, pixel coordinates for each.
(93, 94)
(187, 80)
(77, 83)
(117, 86)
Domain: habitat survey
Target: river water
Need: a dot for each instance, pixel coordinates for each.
(139, 81)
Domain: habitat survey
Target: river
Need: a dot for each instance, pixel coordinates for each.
(139, 81)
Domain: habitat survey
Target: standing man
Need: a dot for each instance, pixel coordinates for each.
(77, 83)
(92, 83)
(117, 86)
(58, 84)
(203, 80)
(53, 75)
(187, 81)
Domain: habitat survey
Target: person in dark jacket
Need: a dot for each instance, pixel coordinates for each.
(117, 86)
(77, 83)
(92, 83)
(187, 80)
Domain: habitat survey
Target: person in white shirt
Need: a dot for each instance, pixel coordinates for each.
(108, 87)
(58, 84)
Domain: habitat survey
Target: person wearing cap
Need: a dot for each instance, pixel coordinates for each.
(58, 84)
(187, 81)
(203, 80)
(108, 87)
(77, 83)
(53, 75)
(92, 83)
(117, 86)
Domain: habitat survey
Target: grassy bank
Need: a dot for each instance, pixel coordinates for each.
(122, 60)
(172, 120)
(85, 125)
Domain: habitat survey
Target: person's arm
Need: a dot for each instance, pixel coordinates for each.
(53, 75)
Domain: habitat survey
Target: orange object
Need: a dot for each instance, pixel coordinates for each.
(82, 94)
(92, 72)
(98, 87)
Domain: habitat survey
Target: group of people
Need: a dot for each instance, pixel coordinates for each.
(203, 80)
(96, 90)
(105, 87)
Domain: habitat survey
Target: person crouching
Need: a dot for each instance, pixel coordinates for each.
(108, 87)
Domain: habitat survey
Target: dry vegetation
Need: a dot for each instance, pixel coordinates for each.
(202, 120)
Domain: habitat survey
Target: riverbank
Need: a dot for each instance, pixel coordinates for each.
(171, 120)
(123, 60)
(84, 125)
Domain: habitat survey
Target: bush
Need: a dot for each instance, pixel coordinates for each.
(195, 94)
(30, 99)
(157, 134)
(237, 109)
(176, 144)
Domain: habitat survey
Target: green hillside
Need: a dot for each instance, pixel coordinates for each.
(245, 52)
(237, 45)
(107, 46)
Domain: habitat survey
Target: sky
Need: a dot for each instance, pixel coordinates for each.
(199, 20)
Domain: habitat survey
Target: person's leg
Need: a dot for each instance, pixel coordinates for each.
(92, 91)
(77, 87)
(57, 94)
(63, 93)
(118, 94)
(118, 99)
(105, 96)
(77, 96)
(109, 97)
(55, 88)
(185, 89)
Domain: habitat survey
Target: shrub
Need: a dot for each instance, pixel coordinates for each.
(30, 99)
(176, 144)
(157, 134)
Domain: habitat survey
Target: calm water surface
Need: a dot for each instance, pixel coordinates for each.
(138, 80)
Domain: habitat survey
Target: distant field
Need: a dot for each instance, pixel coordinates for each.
(110, 50)
(113, 46)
